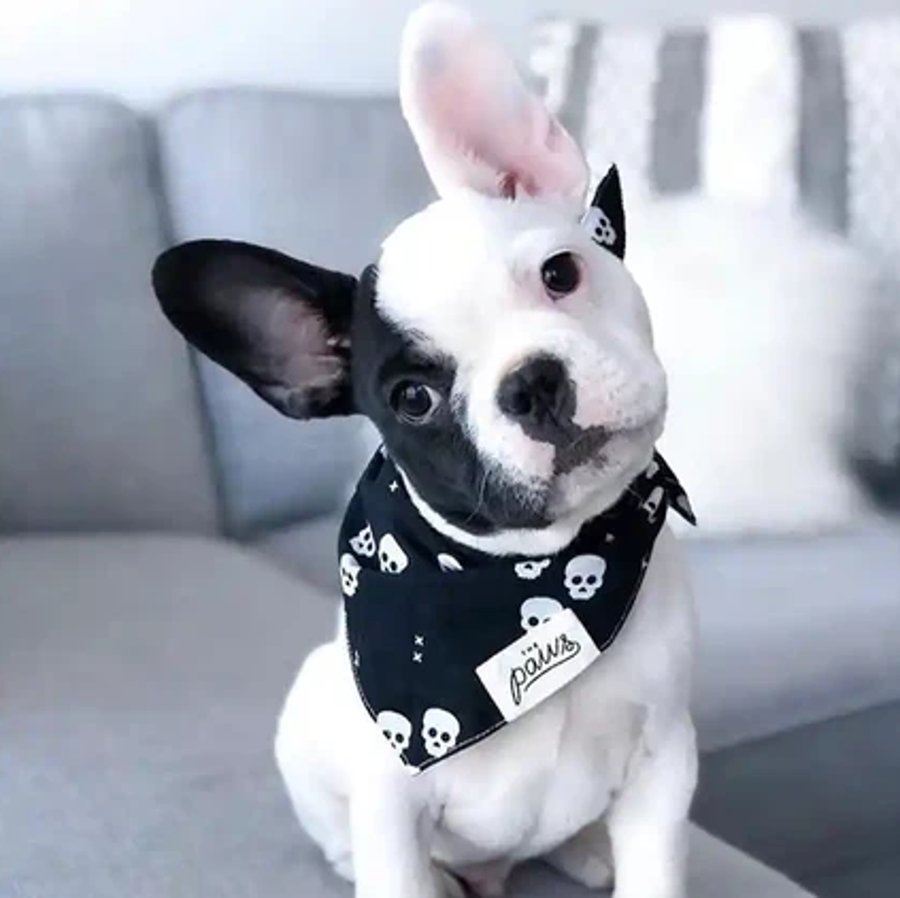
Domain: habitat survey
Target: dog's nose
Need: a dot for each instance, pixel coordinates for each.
(539, 396)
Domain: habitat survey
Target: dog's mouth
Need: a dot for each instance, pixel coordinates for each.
(484, 498)
(511, 504)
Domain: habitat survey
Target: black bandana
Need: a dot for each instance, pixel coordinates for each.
(448, 644)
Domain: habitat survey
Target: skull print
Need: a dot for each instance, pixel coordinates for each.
(396, 729)
(364, 542)
(538, 611)
(531, 570)
(584, 576)
(601, 227)
(349, 574)
(440, 732)
(391, 557)
(448, 563)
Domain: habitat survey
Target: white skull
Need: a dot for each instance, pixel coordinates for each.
(440, 731)
(584, 576)
(538, 611)
(601, 227)
(531, 570)
(391, 557)
(448, 563)
(396, 729)
(349, 574)
(651, 506)
(364, 542)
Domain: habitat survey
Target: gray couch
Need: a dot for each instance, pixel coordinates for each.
(166, 557)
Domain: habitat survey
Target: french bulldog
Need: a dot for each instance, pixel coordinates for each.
(505, 354)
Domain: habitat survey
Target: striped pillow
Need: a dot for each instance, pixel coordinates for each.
(750, 108)
(755, 109)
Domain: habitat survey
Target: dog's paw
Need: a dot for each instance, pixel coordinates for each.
(593, 872)
(586, 859)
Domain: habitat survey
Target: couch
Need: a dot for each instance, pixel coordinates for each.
(166, 556)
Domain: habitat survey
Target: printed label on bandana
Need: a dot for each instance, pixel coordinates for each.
(538, 664)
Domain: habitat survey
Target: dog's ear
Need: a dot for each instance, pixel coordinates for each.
(605, 218)
(280, 325)
(475, 122)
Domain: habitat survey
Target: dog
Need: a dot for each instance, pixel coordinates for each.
(505, 354)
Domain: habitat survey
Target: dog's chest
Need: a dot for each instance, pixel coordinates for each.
(537, 782)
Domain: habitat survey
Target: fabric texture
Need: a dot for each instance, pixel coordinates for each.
(419, 664)
(276, 168)
(99, 424)
(141, 681)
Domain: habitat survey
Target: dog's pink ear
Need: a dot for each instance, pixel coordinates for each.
(475, 122)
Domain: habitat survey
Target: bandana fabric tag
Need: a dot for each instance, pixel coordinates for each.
(448, 644)
(538, 664)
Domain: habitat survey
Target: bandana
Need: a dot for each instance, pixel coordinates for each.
(449, 644)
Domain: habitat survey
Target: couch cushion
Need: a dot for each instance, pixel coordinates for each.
(323, 179)
(795, 631)
(309, 550)
(141, 681)
(98, 413)
(817, 801)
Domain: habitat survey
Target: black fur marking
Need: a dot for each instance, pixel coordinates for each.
(279, 324)
(439, 457)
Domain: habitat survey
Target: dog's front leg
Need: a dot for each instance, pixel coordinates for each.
(648, 821)
(392, 832)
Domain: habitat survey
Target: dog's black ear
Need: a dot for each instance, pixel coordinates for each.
(606, 216)
(281, 325)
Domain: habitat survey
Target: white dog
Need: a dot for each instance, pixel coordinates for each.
(505, 354)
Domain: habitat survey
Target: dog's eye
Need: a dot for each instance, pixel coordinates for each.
(561, 275)
(415, 403)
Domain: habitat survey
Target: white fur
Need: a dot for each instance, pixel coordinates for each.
(599, 777)
(488, 312)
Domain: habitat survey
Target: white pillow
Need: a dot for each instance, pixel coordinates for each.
(757, 317)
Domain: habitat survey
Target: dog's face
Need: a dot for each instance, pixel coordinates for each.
(499, 344)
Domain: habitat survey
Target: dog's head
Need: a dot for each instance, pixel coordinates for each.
(499, 344)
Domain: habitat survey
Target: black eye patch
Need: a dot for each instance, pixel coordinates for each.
(440, 458)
